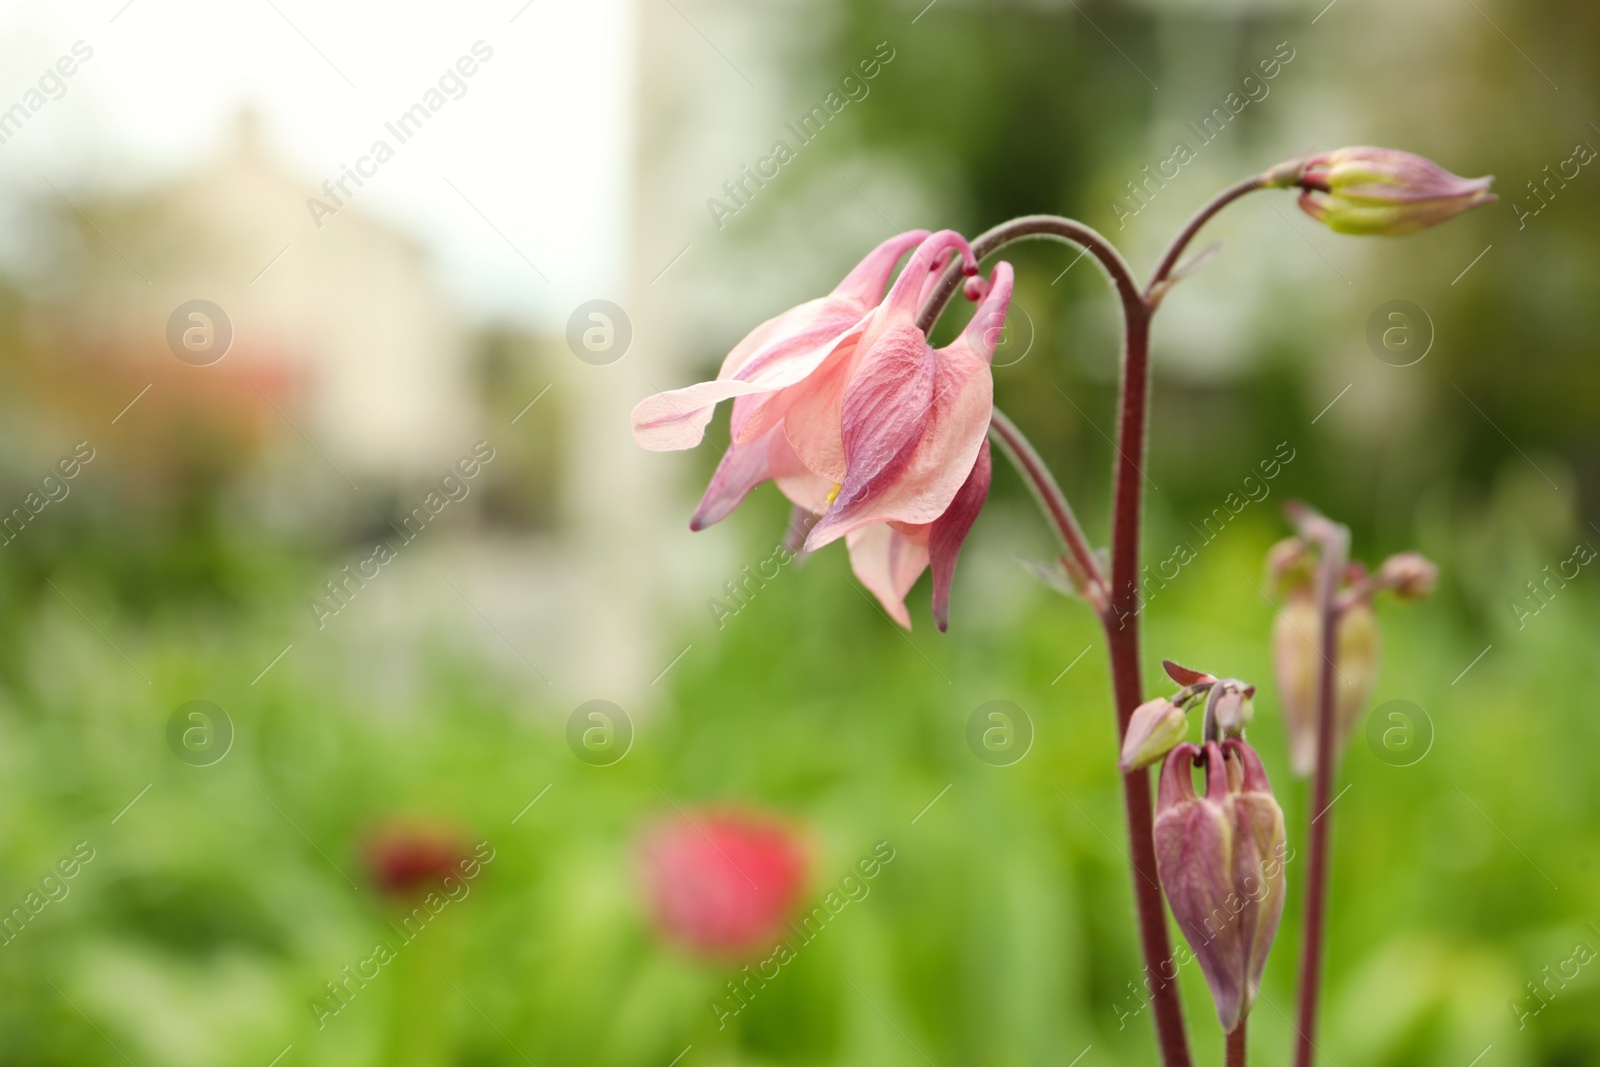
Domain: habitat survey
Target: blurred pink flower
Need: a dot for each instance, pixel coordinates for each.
(722, 883)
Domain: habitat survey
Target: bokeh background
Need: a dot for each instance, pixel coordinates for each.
(429, 318)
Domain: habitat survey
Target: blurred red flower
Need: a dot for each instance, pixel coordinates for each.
(407, 859)
(722, 883)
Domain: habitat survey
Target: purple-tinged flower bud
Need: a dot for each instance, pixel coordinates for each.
(1379, 191)
(1290, 565)
(1155, 727)
(1297, 664)
(1410, 574)
(1229, 706)
(1220, 859)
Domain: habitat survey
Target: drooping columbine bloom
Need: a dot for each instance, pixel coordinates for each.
(863, 424)
(1220, 858)
(722, 883)
(1379, 191)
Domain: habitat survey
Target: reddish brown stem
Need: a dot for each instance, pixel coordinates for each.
(1121, 620)
(1023, 228)
(1334, 542)
(1236, 1046)
(1169, 260)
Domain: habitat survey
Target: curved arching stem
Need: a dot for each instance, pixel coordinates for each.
(1022, 228)
(1156, 289)
(1052, 501)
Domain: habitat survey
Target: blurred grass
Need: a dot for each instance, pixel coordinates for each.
(218, 904)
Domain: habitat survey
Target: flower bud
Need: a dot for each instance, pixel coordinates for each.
(1220, 860)
(1410, 574)
(1380, 191)
(1156, 725)
(1297, 666)
(1289, 565)
(1229, 705)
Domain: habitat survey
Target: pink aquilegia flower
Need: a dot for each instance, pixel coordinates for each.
(863, 424)
(722, 883)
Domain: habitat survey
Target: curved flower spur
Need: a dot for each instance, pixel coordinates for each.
(859, 420)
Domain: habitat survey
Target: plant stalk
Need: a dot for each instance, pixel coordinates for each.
(1169, 260)
(1334, 542)
(1236, 1046)
(1121, 620)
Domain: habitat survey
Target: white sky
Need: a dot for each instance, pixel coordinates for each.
(540, 144)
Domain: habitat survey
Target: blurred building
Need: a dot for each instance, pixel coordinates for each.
(339, 329)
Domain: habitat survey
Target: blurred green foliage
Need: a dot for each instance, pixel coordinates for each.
(218, 904)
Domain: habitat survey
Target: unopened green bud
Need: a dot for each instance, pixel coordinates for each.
(1379, 191)
(1156, 726)
(1297, 666)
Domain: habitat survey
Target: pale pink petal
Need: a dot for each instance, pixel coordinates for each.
(811, 415)
(758, 338)
(677, 419)
(904, 298)
(988, 322)
(777, 354)
(888, 563)
(743, 467)
(949, 531)
(913, 421)
(803, 488)
(865, 283)
(768, 410)
(788, 359)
